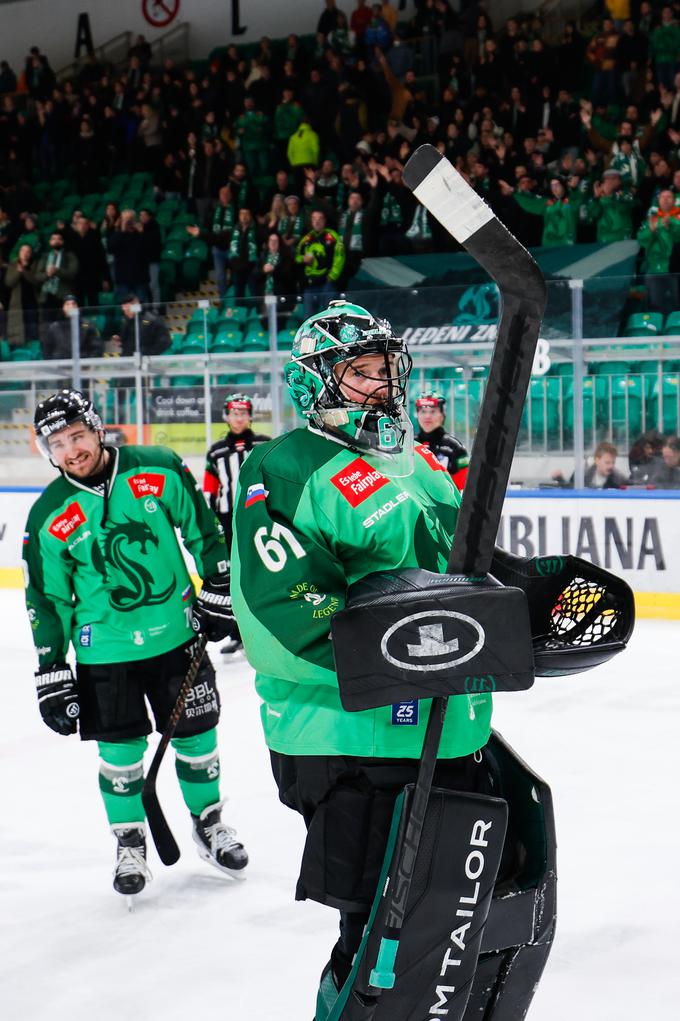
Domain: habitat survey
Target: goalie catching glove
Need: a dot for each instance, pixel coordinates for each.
(580, 614)
(58, 698)
(213, 614)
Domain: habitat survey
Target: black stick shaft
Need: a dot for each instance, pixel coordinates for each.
(166, 845)
(523, 295)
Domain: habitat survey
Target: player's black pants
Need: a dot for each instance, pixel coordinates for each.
(347, 804)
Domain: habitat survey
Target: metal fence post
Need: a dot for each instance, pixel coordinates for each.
(139, 389)
(204, 304)
(272, 323)
(576, 287)
(74, 317)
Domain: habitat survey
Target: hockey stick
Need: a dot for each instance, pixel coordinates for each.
(166, 845)
(451, 200)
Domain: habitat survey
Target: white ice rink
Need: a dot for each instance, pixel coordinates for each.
(199, 945)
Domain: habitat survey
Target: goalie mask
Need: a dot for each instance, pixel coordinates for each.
(348, 375)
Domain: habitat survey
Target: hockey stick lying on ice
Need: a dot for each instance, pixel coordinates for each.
(166, 845)
(451, 200)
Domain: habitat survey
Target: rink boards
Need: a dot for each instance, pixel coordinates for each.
(634, 533)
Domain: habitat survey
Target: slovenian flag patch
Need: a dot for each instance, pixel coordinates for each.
(255, 493)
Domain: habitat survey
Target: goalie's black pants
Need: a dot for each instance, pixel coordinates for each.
(347, 804)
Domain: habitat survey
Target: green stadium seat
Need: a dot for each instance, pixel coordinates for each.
(609, 368)
(256, 339)
(172, 252)
(178, 232)
(5, 350)
(672, 324)
(285, 338)
(167, 277)
(197, 249)
(226, 342)
(177, 344)
(197, 326)
(195, 343)
(641, 323)
(187, 380)
(191, 274)
(542, 409)
(23, 354)
(212, 315)
(670, 389)
(588, 407)
(624, 395)
(235, 313)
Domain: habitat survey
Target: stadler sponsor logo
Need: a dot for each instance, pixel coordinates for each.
(358, 481)
(475, 863)
(373, 518)
(67, 522)
(445, 639)
(148, 484)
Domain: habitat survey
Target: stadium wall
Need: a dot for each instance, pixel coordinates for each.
(53, 24)
(635, 534)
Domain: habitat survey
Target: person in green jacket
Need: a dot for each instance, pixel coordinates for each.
(317, 510)
(253, 132)
(321, 255)
(664, 47)
(287, 118)
(611, 208)
(559, 209)
(106, 575)
(656, 236)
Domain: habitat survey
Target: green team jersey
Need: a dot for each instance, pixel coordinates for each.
(312, 517)
(118, 590)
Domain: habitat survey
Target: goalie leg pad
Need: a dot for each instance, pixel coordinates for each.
(453, 879)
(519, 930)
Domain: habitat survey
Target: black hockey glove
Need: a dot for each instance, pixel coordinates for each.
(58, 698)
(213, 614)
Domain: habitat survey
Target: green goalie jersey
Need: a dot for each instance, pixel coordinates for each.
(311, 518)
(108, 574)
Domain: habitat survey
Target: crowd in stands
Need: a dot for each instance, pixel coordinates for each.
(653, 463)
(289, 163)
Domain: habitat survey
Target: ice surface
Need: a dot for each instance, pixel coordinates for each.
(200, 945)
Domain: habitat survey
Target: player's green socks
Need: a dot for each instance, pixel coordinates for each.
(198, 769)
(121, 776)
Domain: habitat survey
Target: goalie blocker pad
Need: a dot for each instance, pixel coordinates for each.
(413, 634)
(466, 951)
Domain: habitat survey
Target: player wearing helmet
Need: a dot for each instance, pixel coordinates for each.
(106, 575)
(431, 415)
(222, 466)
(316, 510)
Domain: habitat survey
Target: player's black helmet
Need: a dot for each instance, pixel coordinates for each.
(59, 411)
(238, 401)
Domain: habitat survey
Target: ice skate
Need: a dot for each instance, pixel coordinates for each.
(131, 872)
(217, 843)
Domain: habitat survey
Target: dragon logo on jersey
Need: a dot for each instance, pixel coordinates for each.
(129, 582)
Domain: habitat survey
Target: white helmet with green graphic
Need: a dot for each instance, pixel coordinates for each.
(348, 374)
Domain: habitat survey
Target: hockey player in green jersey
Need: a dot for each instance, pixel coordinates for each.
(316, 510)
(106, 574)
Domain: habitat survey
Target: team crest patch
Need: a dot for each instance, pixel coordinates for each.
(358, 481)
(67, 522)
(255, 493)
(148, 484)
(428, 456)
